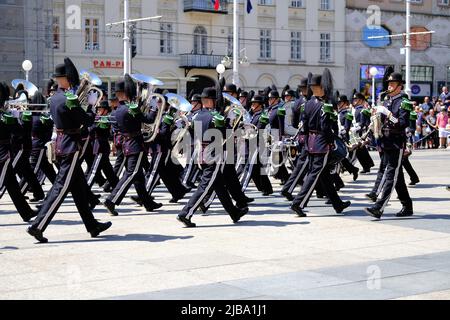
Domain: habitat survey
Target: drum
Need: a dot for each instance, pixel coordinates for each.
(339, 152)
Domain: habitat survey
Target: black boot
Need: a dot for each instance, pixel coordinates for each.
(376, 213)
(356, 174)
(153, 206)
(343, 206)
(298, 211)
(99, 228)
(239, 214)
(405, 212)
(111, 207)
(187, 222)
(372, 196)
(287, 195)
(37, 234)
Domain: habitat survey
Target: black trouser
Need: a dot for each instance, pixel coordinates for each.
(254, 171)
(348, 166)
(211, 179)
(299, 173)
(133, 175)
(167, 171)
(8, 180)
(393, 178)
(410, 170)
(71, 179)
(191, 171)
(380, 176)
(119, 165)
(24, 170)
(364, 158)
(152, 176)
(40, 165)
(319, 174)
(102, 164)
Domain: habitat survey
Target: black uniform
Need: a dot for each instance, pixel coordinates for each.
(42, 131)
(130, 127)
(102, 150)
(211, 175)
(393, 143)
(362, 154)
(320, 137)
(70, 177)
(7, 176)
(276, 121)
(254, 169)
(346, 125)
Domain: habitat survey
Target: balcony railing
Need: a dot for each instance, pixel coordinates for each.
(205, 6)
(200, 61)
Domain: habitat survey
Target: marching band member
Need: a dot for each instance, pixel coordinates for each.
(211, 164)
(7, 176)
(318, 124)
(129, 120)
(68, 117)
(395, 117)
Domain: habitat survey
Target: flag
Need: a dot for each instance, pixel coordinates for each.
(216, 4)
(249, 6)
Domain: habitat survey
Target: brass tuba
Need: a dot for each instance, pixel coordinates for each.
(21, 104)
(88, 84)
(147, 101)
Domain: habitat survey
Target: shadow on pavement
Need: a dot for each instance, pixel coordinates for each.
(276, 224)
(128, 238)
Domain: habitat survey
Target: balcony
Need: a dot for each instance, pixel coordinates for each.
(200, 61)
(205, 6)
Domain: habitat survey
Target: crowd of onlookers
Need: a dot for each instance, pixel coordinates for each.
(433, 122)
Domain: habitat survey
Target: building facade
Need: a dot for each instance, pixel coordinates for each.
(430, 55)
(25, 33)
(282, 40)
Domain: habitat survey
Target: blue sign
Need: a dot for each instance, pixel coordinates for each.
(376, 31)
(415, 89)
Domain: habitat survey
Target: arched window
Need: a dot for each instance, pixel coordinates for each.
(200, 40)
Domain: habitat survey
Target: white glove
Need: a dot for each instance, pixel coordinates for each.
(355, 129)
(15, 113)
(92, 98)
(343, 132)
(383, 110)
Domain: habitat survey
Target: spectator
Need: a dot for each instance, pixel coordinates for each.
(419, 130)
(430, 130)
(442, 121)
(427, 105)
(445, 97)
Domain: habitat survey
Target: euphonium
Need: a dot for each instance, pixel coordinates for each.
(88, 84)
(148, 100)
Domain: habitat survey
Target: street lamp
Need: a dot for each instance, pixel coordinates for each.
(220, 70)
(27, 66)
(373, 72)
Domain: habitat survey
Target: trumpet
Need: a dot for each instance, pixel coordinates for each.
(146, 99)
(21, 105)
(88, 84)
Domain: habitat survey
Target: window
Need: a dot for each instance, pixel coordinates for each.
(296, 45)
(230, 42)
(325, 47)
(420, 73)
(265, 44)
(297, 3)
(56, 33)
(444, 2)
(325, 4)
(166, 38)
(448, 75)
(91, 35)
(200, 40)
(265, 2)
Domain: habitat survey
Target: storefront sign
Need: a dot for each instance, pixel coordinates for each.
(108, 64)
(421, 89)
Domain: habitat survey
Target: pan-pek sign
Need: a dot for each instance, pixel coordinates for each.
(108, 64)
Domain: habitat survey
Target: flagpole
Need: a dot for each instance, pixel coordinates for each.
(235, 43)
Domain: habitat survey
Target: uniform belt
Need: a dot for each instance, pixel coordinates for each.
(132, 134)
(315, 132)
(69, 131)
